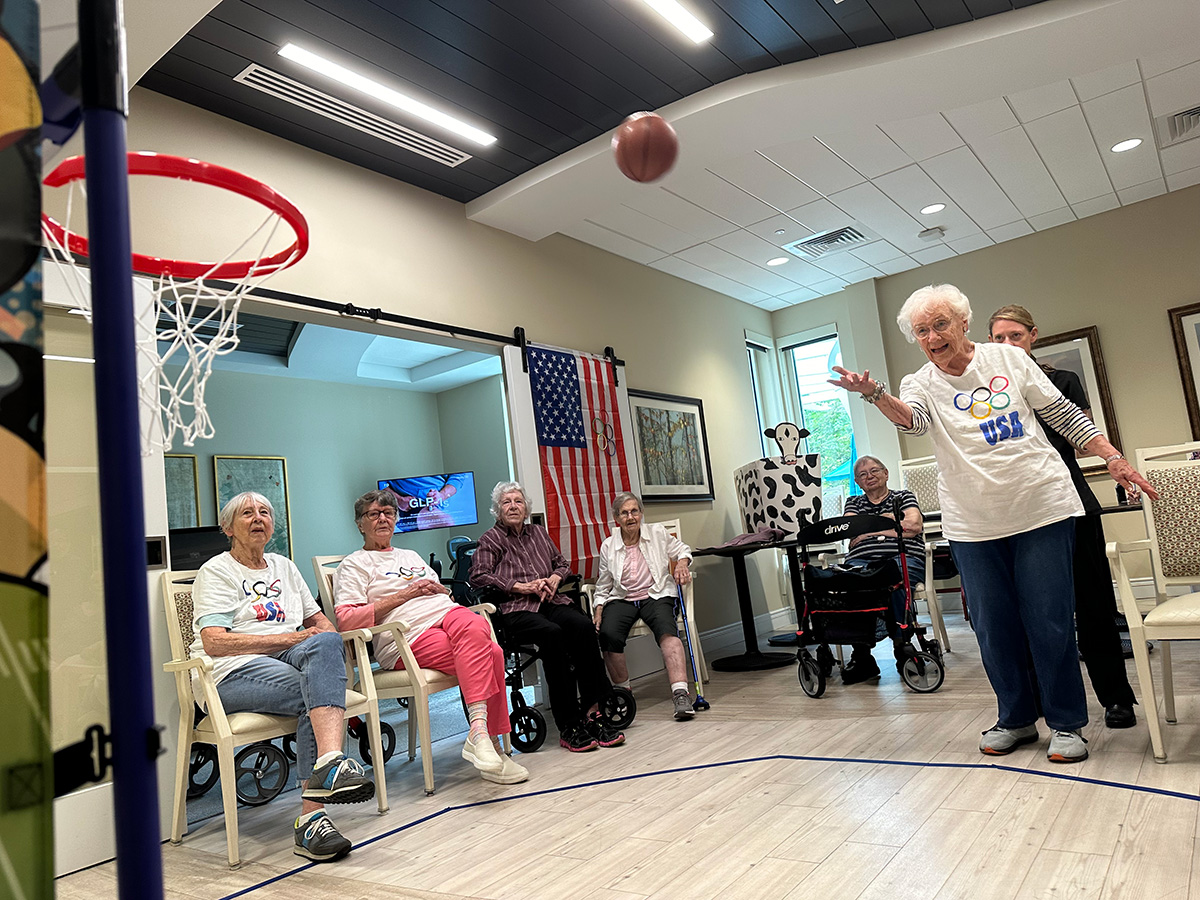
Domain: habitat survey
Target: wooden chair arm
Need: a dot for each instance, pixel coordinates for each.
(183, 665)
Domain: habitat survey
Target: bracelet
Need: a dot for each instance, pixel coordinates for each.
(1113, 458)
(873, 397)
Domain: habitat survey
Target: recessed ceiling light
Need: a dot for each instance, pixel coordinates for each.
(777, 261)
(933, 208)
(1126, 145)
(373, 88)
(780, 231)
(673, 12)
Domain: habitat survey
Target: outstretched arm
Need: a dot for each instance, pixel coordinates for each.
(895, 409)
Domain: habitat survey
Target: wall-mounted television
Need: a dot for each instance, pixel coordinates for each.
(433, 501)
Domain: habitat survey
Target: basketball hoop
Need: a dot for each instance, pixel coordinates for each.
(194, 320)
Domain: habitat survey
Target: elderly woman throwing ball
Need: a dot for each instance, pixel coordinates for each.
(1008, 506)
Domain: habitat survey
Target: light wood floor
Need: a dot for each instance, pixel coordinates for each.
(713, 809)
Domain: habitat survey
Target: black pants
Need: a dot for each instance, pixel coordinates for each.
(566, 639)
(1095, 606)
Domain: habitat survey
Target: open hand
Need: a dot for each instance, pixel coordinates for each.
(853, 382)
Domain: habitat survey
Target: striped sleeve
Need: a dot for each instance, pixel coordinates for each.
(914, 396)
(1068, 420)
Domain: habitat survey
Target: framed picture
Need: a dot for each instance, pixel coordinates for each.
(672, 446)
(1185, 328)
(1079, 351)
(268, 476)
(183, 491)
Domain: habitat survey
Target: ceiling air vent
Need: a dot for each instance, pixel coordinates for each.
(828, 242)
(1178, 127)
(298, 94)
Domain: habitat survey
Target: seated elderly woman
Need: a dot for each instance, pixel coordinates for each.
(381, 583)
(639, 567)
(274, 652)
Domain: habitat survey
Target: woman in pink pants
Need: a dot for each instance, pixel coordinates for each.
(381, 583)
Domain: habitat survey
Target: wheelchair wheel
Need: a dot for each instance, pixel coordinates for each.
(528, 729)
(826, 659)
(387, 735)
(203, 770)
(289, 746)
(620, 707)
(812, 676)
(260, 773)
(922, 673)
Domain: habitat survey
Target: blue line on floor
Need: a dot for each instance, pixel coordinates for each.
(1062, 776)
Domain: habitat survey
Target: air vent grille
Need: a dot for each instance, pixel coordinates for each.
(1178, 127)
(827, 242)
(299, 94)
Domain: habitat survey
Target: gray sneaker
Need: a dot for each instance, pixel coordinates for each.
(683, 706)
(318, 839)
(999, 741)
(1067, 747)
(340, 780)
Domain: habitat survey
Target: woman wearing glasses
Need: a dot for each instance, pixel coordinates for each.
(381, 583)
(1008, 506)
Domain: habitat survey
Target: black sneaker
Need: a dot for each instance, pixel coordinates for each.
(341, 780)
(318, 839)
(860, 669)
(602, 731)
(577, 739)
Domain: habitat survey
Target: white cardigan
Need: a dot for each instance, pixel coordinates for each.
(658, 546)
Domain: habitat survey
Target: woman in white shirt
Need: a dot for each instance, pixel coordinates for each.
(640, 566)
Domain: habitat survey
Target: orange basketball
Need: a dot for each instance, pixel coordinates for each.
(645, 147)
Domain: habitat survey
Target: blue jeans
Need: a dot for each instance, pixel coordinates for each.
(307, 676)
(1020, 590)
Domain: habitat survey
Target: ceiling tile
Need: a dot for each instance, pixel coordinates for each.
(933, 254)
(1174, 91)
(960, 174)
(699, 275)
(1097, 84)
(1140, 192)
(868, 149)
(801, 272)
(1166, 60)
(839, 263)
(1042, 101)
(720, 198)
(749, 247)
(1052, 219)
(876, 252)
(981, 120)
(768, 182)
(1010, 231)
(814, 164)
(873, 208)
(772, 303)
(821, 215)
(684, 215)
(832, 286)
(864, 274)
(1114, 117)
(924, 136)
(643, 228)
(734, 267)
(799, 296)
(1017, 168)
(1096, 205)
(896, 266)
(1181, 180)
(613, 242)
(972, 242)
(792, 230)
(1180, 157)
(913, 190)
(1066, 147)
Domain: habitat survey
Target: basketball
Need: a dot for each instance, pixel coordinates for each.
(645, 147)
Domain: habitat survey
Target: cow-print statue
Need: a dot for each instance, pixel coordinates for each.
(773, 493)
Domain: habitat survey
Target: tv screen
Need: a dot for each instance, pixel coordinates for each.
(433, 501)
(193, 547)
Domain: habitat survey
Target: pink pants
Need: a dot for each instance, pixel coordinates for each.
(461, 645)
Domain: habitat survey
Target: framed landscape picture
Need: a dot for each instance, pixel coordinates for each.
(268, 476)
(672, 446)
(1078, 351)
(1185, 328)
(183, 490)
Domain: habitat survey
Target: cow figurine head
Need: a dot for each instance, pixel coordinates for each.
(788, 436)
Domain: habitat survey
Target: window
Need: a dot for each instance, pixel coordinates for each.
(759, 360)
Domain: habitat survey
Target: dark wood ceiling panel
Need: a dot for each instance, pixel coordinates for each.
(982, 8)
(902, 17)
(944, 13)
(859, 21)
(769, 29)
(808, 17)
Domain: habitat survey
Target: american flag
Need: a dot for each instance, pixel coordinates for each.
(581, 449)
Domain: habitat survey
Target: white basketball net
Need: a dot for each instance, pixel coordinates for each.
(193, 323)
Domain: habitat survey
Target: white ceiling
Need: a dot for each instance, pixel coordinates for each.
(1009, 121)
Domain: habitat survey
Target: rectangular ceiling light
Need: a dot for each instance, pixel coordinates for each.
(673, 12)
(373, 88)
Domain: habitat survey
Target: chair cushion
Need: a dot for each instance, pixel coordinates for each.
(1182, 610)
(387, 679)
(247, 723)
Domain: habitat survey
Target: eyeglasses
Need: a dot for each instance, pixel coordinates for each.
(941, 326)
(629, 513)
(875, 471)
(387, 513)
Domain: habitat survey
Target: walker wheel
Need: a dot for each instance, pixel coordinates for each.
(922, 673)
(812, 677)
(387, 736)
(203, 770)
(528, 729)
(620, 707)
(260, 772)
(826, 659)
(289, 746)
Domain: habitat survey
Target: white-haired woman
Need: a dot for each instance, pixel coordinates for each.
(1007, 507)
(273, 651)
(640, 565)
(520, 563)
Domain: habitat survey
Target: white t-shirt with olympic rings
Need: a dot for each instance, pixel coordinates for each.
(998, 475)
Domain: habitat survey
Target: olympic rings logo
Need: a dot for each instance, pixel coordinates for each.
(983, 401)
(605, 434)
(415, 572)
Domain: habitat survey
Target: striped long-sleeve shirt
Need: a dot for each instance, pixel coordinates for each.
(505, 557)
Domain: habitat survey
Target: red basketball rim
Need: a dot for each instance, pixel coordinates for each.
(167, 166)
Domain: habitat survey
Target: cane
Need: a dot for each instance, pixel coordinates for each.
(699, 704)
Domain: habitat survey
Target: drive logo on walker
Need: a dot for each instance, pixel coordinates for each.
(267, 608)
(984, 402)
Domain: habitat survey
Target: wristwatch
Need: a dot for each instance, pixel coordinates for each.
(1115, 456)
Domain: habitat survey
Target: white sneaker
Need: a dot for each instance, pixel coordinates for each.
(1067, 747)
(482, 755)
(999, 741)
(512, 773)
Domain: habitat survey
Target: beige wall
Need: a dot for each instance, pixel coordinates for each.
(378, 242)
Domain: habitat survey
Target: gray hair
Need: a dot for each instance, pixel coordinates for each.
(237, 503)
(621, 499)
(864, 459)
(506, 487)
(383, 498)
(923, 298)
